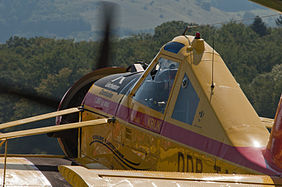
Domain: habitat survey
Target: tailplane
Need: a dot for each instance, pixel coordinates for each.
(273, 152)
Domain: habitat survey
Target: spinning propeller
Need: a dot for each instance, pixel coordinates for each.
(103, 61)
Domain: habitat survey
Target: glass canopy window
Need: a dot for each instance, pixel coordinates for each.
(155, 89)
(186, 103)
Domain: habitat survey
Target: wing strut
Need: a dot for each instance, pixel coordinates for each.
(54, 128)
(42, 130)
(40, 117)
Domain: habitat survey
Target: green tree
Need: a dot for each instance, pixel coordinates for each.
(259, 26)
(266, 90)
(167, 31)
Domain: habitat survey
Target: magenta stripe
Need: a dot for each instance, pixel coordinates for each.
(249, 157)
(130, 115)
(100, 103)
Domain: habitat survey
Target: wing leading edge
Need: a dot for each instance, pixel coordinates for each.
(81, 176)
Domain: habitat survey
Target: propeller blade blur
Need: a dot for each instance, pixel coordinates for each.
(109, 13)
(27, 94)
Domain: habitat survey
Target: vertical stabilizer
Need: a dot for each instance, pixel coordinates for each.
(274, 148)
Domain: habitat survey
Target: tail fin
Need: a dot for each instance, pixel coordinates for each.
(273, 152)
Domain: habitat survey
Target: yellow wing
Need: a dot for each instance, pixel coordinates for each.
(42, 171)
(81, 176)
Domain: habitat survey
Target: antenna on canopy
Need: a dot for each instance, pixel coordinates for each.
(212, 78)
(186, 29)
(189, 27)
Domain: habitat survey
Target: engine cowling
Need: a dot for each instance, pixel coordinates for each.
(68, 139)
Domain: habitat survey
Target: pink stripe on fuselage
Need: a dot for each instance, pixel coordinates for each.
(249, 157)
(100, 103)
(143, 120)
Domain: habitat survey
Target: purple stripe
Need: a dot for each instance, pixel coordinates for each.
(140, 119)
(135, 117)
(249, 157)
(100, 103)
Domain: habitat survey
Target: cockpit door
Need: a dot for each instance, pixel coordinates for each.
(150, 97)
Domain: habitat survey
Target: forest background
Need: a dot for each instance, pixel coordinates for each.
(50, 66)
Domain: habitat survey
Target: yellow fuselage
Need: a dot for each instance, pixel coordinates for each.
(225, 135)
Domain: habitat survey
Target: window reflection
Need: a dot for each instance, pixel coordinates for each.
(186, 103)
(155, 89)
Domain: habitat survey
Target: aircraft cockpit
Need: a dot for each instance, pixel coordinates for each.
(155, 89)
(165, 91)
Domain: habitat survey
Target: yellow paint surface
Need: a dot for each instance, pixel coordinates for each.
(21, 172)
(228, 118)
(80, 176)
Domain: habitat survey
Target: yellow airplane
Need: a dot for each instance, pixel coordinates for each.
(183, 120)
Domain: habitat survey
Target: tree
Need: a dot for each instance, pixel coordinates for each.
(259, 26)
(265, 91)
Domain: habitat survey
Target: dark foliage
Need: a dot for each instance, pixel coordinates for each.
(259, 26)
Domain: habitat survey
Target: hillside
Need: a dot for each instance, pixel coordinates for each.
(79, 19)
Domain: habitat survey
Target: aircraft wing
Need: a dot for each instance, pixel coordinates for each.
(40, 170)
(81, 176)
(273, 4)
(43, 171)
(33, 170)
